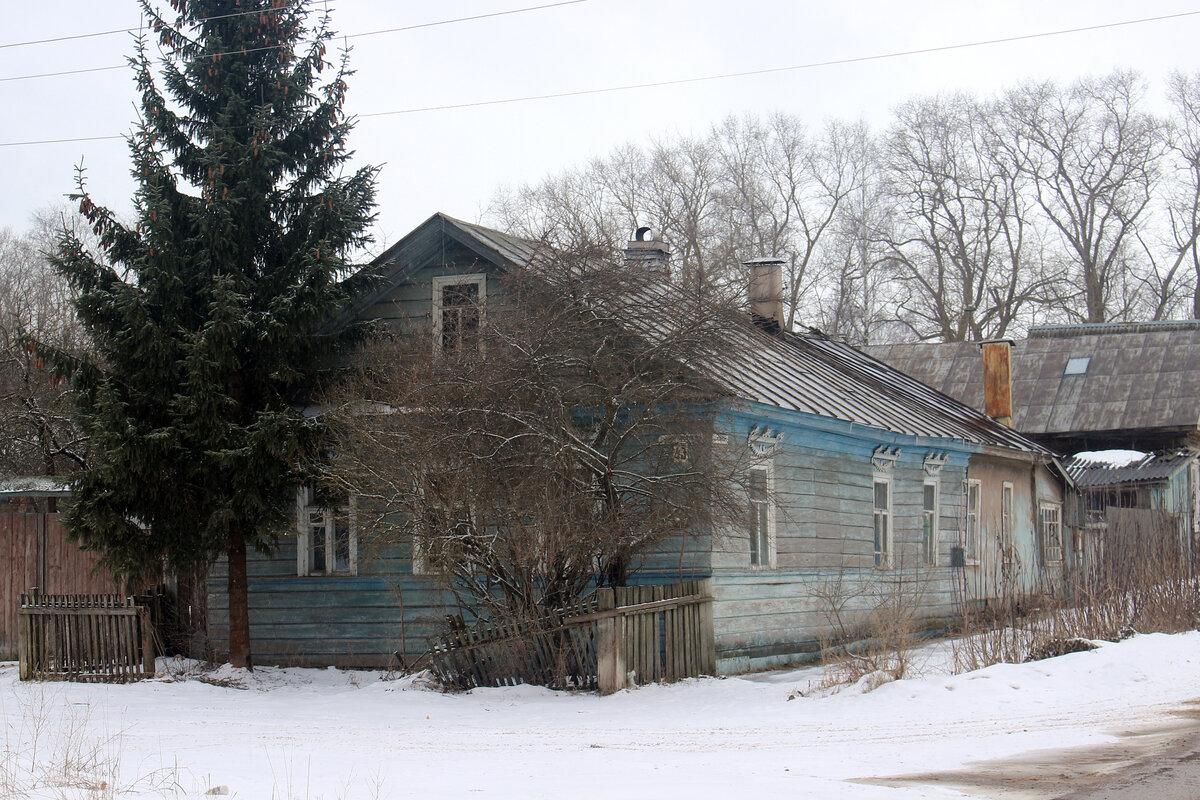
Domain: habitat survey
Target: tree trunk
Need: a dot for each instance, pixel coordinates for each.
(239, 609)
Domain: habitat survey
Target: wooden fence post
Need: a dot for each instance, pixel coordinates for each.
(707, 635)
(610, 659)
(24, 639)
(143, 618)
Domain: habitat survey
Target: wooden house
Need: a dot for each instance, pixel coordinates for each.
(871, 486)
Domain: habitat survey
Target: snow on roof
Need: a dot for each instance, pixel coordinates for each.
(34, 487)
(1110, 458)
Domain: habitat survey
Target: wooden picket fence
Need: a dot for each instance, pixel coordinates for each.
(616, 637)
(94, 638)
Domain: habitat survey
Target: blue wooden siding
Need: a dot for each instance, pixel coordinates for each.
(347, 620)
(823, 490)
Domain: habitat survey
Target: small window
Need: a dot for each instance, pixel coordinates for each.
(327, 541)
(929, 523)
(762, 517)
(459, 302)
(971, 534)
(883, 522)
(1007, 543)
(1050, 529)
(1077, 365)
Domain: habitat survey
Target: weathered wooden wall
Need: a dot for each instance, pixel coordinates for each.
(823, 484)
(34, 552)
(411, 304)
(343, 620)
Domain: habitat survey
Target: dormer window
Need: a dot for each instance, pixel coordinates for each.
(458, 311)
(1077, 365)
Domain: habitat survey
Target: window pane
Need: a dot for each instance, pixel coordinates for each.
(1077, 365)
(341, 544)
(930, 497)
(757, 484)
(460, 314)
(881, 494)
(316, 539)
(755, 552)
(460, 295)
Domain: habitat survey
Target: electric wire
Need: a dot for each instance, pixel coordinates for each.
(705, 78)
(402, 29)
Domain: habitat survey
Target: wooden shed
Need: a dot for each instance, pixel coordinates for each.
(36, 554)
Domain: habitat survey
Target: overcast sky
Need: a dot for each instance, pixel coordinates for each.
(454, 160)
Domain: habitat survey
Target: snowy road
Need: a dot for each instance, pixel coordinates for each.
(999, 732)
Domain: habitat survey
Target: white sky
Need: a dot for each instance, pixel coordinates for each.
(454, 160)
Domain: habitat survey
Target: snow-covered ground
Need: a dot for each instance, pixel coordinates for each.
(332, 734)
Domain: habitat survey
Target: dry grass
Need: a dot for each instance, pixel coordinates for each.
(56, 750)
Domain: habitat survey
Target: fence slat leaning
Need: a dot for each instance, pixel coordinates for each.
(615, 638)
(91, 638)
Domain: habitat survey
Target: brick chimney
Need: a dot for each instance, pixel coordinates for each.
(766, 292)
(647, 249)
(997, 380)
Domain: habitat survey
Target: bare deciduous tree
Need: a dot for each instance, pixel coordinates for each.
(784, 192)
(40, 436)
(1182, 200)
(961, 247)
(553, 446)
(1094, 155)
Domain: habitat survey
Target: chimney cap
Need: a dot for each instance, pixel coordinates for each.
(646, 234)
(765, 261)
(1009, 342)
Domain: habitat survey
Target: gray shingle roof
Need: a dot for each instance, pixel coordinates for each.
(804, 371)
(1140, 376)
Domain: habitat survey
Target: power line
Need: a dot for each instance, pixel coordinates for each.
(402, 29)
(703, 78)
(794, 67)
(96, 34)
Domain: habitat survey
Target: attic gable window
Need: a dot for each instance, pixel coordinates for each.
(458, 311)
(1077, 365)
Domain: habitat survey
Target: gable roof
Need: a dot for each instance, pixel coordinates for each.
(1139, 376)
(804, 371)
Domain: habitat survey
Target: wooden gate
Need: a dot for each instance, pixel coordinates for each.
(650, 634)
(89, 638)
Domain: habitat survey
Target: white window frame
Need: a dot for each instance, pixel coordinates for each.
(1007, 521)
(1055, 531)
(930, 522)
(972, 521)
(755, 536)
(304, 543)
(439, 287)
(420, 559)
(883, 558)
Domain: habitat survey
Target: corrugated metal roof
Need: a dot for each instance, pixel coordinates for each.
(807, 371)
(1154, 468)
(1140, 376)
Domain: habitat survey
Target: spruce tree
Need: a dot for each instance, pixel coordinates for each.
(206, 314)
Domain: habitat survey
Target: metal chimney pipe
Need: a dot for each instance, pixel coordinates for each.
(997, 380)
